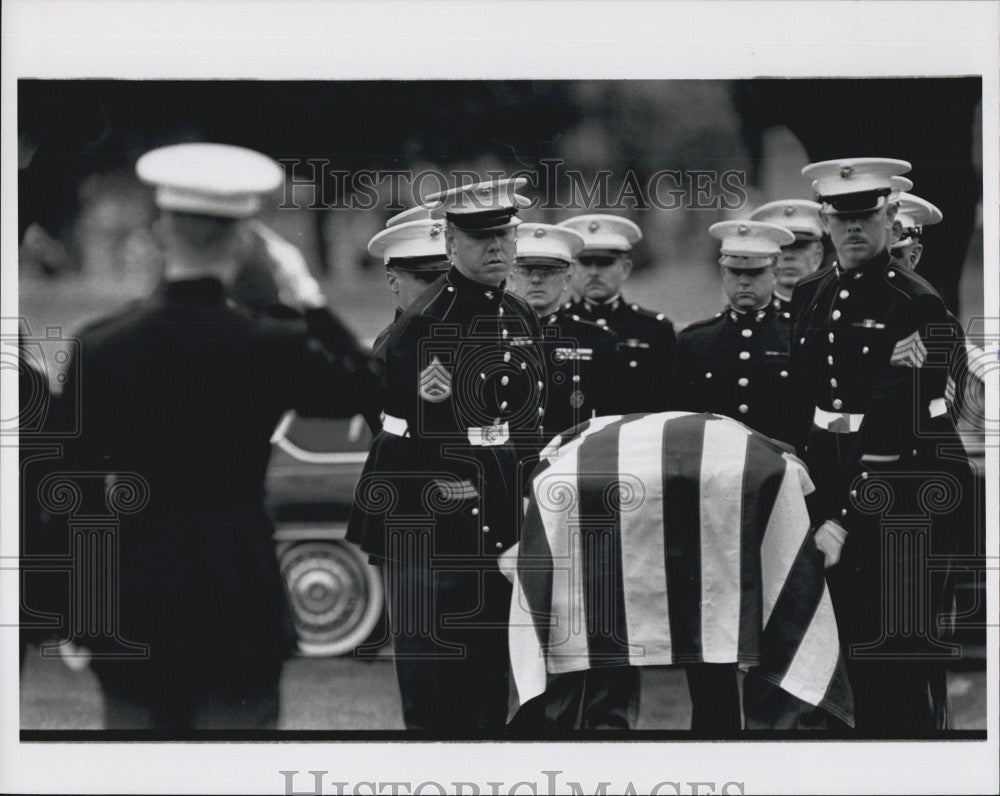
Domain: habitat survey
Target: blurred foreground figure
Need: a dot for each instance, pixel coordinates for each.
(178, 396)
(440, 495)
(893, 481)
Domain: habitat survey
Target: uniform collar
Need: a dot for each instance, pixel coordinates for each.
(205, 290)
(602, 307)
(485, 294)
(871, 266)
(751, 317)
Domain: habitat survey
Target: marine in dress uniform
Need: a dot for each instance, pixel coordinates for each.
(646, 338)
(879, 443)
(412, 248)
(804, 255)
(180, 393)
(581, 358)
(913, 215)
(737, 364)
(585, 374)
(440, 495)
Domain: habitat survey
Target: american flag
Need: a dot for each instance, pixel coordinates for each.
(672, 538)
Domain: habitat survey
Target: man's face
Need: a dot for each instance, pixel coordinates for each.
(408, 285)
(541, 286)
(486, 258)
(598, 277)
(860, 236)
(798, 260)
(907, 256)
(747, 285)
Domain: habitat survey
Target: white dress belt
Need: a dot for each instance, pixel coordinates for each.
(477, 435)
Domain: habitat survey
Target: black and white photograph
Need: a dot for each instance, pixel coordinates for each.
(517, 397)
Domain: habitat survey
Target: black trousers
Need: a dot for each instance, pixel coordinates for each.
(595, 699)
(449, 632)
(190, 694)
(715, 699)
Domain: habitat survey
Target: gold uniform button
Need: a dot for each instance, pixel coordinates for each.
(505, 381)
(845, 293)
(506, 356)
(499, 545)
(486, 529)
(829, 359)
(503, 404)
(784, 374)
(836, 315)
(747, 332)
(744, 355)
(708, 375)
(830, 337)
(744, 382)
(865, 350)
(475, 511)
(833, 382)
(837, 403)
(633, 364)
(601, 322)
(576, 377)
(744, 409)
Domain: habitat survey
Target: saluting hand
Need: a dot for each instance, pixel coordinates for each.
(296, 286)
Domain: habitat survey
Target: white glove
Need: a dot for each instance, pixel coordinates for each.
(296, 286)
(830, 538)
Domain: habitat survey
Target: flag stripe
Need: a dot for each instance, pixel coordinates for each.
(721, 509)
(534, 569)
(794, 609)
(761, 482)
(600, 536)
(809, 672)
(646, 603)
(557, 496)
(681, 457)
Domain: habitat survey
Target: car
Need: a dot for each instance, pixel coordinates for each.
(336, 595)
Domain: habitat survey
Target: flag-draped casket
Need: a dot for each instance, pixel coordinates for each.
(672, 538)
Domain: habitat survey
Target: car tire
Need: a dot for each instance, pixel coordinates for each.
(336, 595)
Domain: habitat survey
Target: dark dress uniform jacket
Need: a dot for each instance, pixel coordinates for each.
(461, 360)
(584, 369)
(184, 390)
(905, 465)
(737, 364)
(647, 346)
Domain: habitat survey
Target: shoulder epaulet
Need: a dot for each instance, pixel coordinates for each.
(703, 324)
(815, 276)
(908, 282)
(657, 316)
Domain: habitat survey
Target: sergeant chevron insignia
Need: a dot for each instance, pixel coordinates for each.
(435, 382)
(909, 352)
